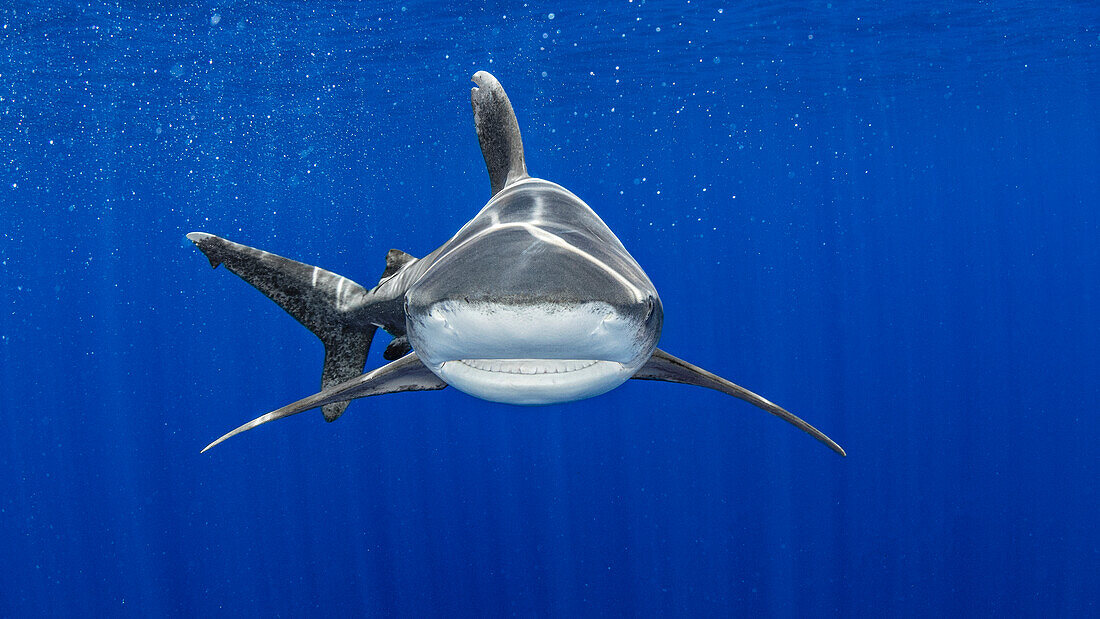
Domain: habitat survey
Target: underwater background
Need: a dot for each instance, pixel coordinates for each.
(882, 216)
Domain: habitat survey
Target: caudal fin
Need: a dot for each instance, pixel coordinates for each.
(329, 305)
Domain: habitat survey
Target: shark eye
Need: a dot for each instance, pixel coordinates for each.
(406, 306)
(649, 305)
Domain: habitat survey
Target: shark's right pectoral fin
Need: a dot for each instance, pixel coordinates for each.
(406, 374)
(663, 366)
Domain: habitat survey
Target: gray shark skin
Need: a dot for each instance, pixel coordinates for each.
(534, 301)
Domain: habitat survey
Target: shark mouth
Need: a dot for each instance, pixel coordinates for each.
(533, 381)
(529, 366)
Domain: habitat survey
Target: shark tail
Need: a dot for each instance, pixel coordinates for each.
(336, 309)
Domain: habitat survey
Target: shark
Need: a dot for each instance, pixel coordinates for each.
(534, 301)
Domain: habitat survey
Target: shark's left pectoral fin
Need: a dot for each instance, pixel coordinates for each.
(406, 374)
(663, 366)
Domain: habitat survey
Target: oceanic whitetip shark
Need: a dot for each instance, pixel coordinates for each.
(534, 301)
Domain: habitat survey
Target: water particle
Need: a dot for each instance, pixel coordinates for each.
(214, 19)
(550, 16)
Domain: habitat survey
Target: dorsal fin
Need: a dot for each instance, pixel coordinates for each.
(395, 259)
(497, 131)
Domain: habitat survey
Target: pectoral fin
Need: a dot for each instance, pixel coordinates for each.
(663, 366)
(405, 374)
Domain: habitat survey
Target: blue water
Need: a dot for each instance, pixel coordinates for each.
(883, 219)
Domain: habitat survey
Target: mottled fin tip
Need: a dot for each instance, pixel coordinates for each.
(497, 131)
(663, 366)
(197, 238)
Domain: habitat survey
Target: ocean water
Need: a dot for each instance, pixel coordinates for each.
(882, 216)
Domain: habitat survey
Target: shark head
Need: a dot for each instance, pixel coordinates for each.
(534, 302)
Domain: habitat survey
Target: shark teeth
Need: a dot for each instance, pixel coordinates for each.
(528, 366)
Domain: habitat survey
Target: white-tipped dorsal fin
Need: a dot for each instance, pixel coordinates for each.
(497, 131)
